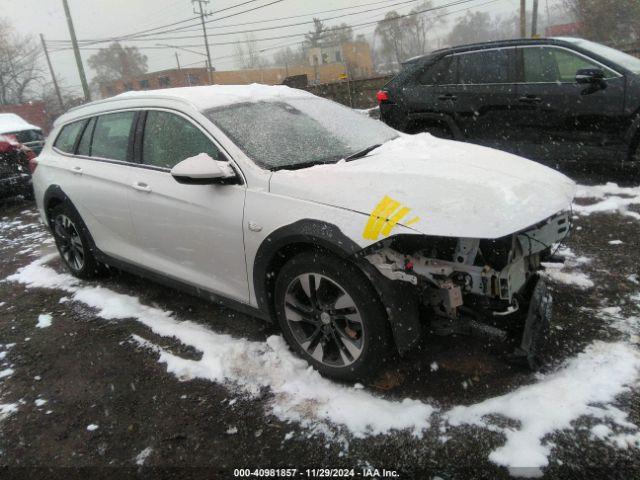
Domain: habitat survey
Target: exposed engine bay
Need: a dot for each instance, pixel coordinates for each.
(466, 281)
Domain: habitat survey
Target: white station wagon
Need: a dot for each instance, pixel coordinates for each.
(355, 238)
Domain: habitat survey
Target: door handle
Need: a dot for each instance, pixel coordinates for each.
(77, 170)
(141, 186)
(530, 99)
(448, 96)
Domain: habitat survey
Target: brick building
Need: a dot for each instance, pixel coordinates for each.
(355, 60)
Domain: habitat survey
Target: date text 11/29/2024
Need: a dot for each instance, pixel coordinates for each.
(364, 472)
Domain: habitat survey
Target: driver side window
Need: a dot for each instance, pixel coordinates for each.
(168, 139)
(553, 65)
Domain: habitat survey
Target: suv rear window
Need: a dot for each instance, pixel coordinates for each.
(66, 140)
(492, 66)
(111, 135)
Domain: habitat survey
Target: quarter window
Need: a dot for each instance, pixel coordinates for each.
(440, 73)
(66, 140)
(491, 66)
(168, 139)
(111, 136)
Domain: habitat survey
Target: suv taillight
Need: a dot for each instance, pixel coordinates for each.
(382, 96)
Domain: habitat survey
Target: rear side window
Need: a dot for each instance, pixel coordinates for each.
(168, 139)
(492, 66)
(66, 140)
(111, 135)
(440, 73)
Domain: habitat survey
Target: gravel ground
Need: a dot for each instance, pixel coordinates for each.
(149, 422)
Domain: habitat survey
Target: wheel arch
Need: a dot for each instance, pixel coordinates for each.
(401, 302)
(54, 196)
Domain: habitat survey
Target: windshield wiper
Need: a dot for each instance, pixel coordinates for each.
(362, 153)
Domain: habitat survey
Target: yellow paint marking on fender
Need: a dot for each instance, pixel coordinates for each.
(412, 221)
(384, 217)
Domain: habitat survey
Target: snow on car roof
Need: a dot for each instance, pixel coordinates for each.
(211, 96)
(10, 122)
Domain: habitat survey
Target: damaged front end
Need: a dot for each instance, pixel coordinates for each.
(487, 286)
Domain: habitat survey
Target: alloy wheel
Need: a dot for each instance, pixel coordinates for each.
(69, 242)
(324, 320)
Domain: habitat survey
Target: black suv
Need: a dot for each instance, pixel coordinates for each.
(554, 100)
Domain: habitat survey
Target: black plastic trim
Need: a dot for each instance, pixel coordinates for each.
(399, 298)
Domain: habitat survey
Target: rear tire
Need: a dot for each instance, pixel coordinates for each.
(331, 316)
(74, 242)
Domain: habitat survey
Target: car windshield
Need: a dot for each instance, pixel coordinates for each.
(616, 56)
(295, 133)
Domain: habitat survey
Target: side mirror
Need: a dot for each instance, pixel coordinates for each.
(202, 170)
(589, 76)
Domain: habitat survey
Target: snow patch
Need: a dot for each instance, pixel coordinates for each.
(44, 320)
(615, 242)
(610, 199)
(7, 372)
(91, 427)
(142, 456)
(586, 385)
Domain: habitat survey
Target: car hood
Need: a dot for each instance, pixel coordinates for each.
(437, 187)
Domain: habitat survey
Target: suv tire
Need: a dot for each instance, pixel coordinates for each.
(331, 316)
(74, 242)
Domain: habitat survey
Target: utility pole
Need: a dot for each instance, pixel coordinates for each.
(53, 75)
(523, 18)
(76, 52)
(534, 19)
(204, 32)
(177, 60)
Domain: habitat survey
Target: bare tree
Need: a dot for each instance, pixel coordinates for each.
(417, 27)
(19, 68)
(392, 36)
(247, 54)
(615, 22)
(314, 38)
(288, 57)
(116, 62)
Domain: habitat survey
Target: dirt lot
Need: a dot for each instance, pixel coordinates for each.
(87, 394)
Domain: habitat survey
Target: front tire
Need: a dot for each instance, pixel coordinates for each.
(74, 242)
(331, 316)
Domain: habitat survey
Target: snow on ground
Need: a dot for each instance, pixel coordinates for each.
(568, 272)
(586, 385)
(44, 320)
(142, 456)
(92, 427)
(610, 199)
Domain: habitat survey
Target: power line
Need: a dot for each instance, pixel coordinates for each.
(337, 28)
(145, 33)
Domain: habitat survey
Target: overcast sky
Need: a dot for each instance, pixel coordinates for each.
(97, 19)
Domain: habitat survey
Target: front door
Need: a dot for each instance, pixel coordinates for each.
(191, 233)
(561, 121)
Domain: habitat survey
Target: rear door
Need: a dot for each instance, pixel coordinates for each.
(560, 120)
(94, 163)
(483, 98)
(192, 233)
(427, 107)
